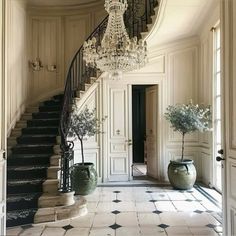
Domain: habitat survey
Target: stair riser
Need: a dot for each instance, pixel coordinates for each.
(27, 174)
(35, 140)
(25, 188)
(28, 161)
(48, 130)
(49, 108)
(43, 123)
(46, 115)
(31, 150)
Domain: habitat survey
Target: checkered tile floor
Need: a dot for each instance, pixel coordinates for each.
(137, 211)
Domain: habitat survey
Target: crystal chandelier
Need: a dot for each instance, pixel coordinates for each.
(117, 52)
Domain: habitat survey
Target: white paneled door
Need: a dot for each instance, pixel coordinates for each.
(118, 136)
(151, 130)
(228, 34)
(2, 127)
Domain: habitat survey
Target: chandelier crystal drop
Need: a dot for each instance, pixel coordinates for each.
(117, 52)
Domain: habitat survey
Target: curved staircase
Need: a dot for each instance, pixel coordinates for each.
(36, 152)
(30, 148)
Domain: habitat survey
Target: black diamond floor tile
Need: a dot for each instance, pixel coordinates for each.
(157, 212)
(152, 200)
(188, 200)
(163, 226)
(211, 226)
(116, 201)
(115, 226)
(149, 191)
(198, 211)
(116, 191)
(115, 212)
(208, 211)
(67, 227)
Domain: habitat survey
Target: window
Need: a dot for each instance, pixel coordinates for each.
(217, 97)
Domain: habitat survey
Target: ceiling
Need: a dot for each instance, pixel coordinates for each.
(60, 2)
(179, 19)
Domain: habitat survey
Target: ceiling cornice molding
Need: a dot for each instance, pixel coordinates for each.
(66, 8)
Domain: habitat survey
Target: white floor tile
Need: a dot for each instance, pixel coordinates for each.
(102, 232)
(14, 231)
(33, 231)
(202, 231)
(124, 206)
(103, 219)
(53, 231)
(127, 219)
(84, 221)
(105, 207)
(78, 232)
(165, 206)
(178, 230)
(129, 231)
(59, 223)
(173, 218)
(146, 219)
(145, 206)
(152, 231)
(188, 206)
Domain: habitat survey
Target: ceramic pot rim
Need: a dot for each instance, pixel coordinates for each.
(184, 162)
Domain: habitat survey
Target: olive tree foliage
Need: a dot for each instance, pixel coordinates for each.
(188, 118)
(83, 124)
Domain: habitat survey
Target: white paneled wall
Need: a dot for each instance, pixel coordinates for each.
(52, 34)
(55, 37)
(16, 61)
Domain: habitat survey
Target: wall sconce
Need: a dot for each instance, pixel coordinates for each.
(36, 65)
(51, 68)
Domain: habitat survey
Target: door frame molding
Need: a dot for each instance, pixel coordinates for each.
(3, 98)
(128, 80)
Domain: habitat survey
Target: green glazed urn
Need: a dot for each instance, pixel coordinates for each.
(83, 178)
(182, 174)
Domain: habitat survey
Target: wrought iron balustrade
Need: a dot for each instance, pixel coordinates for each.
(136, 18)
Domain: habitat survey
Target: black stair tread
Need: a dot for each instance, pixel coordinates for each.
(45, 119)
(18, 182)
(38, 135)
(28, 155)
(22, 196)
(34, 145)
(26, 168)
(41, 127)
(20, 217)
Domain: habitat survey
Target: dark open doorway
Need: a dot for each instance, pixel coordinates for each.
(139, 129)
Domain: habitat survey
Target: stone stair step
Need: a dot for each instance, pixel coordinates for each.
(17, 186)
(32, 148)
(28, 159)
(22, 201)
(49, 108)
(38, 138)
(42, 122)
(26, 172)
(42, 115)
(40, 130)
(20, 217)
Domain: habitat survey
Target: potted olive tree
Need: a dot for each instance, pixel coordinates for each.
(83, 124)
(186, 118)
